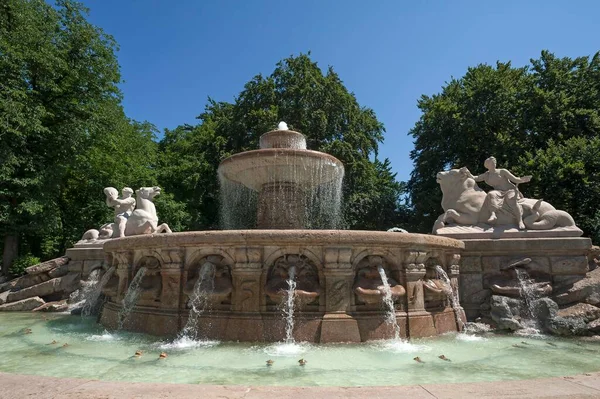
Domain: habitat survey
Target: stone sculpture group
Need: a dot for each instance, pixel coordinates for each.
(133, 216)
(524, 264)
(466, 204)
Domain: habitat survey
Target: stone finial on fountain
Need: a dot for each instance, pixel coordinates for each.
(283, 137)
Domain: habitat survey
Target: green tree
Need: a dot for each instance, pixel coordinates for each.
(63, 133)
(568, 176)
(119, 153)
(314, 103)
(513, 114)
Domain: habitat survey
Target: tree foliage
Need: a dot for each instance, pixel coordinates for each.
(63, 133)
(568, 176)
(312, 102)
(543, 119)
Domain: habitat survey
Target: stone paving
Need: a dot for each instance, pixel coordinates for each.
(14, 386)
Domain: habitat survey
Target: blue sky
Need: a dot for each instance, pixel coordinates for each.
(176, 53)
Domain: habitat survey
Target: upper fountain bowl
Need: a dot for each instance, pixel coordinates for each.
(282, 157)
(305, 168)
(283, 139)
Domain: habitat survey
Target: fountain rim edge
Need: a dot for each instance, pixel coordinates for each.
(279, 151)
(296, 237)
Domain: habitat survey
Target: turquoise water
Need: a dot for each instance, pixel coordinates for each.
(93, 352)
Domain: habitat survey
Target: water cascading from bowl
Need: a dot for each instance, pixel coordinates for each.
(282, 185)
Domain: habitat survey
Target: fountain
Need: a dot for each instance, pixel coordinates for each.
(295, 188)
(331, 286)
(280, 209)
(528, 293)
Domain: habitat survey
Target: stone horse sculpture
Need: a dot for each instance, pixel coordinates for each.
(464, 203)
(143, 219)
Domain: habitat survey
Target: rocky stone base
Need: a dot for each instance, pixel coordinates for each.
(576, 320)
(23, 304)
(561, 261)
(563, 271)
(47, 286)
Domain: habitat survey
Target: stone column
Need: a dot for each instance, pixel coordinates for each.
(171, 274)
(454, 274)
(245, 323)
(337, 324)
(338, 290)
(123, 261)
(246, 288)
(420, 322)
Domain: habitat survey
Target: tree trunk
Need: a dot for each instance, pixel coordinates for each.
(11, 251)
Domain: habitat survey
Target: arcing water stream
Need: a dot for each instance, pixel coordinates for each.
(528, 296)
(131, 297)
(200, 299)
(289, 304)
(95, 289)
(452, 296)
(388, 301)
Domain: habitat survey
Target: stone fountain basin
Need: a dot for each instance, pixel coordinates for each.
(304, 167)
(251, 254)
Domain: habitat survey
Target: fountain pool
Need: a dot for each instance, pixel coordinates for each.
(92, 352)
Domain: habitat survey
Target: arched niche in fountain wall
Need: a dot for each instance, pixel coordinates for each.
(151, 283)
(309, 280)
(194, 255)
(393, 259)
(213, 273)
(367, 278)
